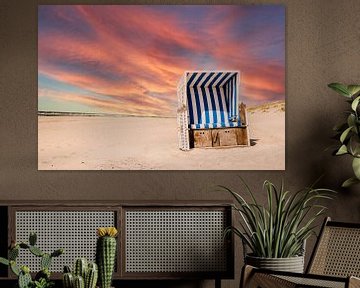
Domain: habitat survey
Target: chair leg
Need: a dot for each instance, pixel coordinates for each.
(246, 273)
(354, 282)
(250, 278)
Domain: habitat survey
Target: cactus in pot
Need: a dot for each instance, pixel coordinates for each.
(85, 275)
(42, 278)
(91, 276)
(24, 280)
(68, 278)
(81, 266)
(79, 282)
(106, 254)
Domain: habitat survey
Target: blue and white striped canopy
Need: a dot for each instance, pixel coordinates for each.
(212, 99)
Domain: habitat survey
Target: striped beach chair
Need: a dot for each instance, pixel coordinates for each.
(209, 114)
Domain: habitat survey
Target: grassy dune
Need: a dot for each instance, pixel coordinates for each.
(267, 107)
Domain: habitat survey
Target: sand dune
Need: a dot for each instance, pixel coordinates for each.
(138, 143)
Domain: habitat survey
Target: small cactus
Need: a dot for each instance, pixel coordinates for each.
(57, 252)
(79, 282)
(106, 254)
(24, 278)
(80, 268)
(36, 251)
(91, 276)
(13, 253)
(32, 238)
(68, 280)
(45, 261)
(67, 269)
(24, 245)
(89, 272)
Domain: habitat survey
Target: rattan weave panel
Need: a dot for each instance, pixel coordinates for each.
(304, 282)
(175, 241)
(338, 253)
(75, 231)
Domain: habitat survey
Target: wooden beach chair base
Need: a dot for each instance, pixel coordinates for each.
(222, 137)
(219, 137)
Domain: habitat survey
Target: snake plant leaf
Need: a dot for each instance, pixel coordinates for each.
(349, 182)
(353, 89)
(340, 88)
(278, 228)
(345, 134)
(342, 150)
(356, 167)
(355, 103)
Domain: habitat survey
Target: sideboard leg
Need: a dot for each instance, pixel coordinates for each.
(217, 283)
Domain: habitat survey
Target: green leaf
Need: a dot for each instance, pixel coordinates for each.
(340, 88)
(349, 182)
(4, 261)
(342, 150)
(355, 103)
(351, 120)
(353, 89)
(354, 145)
(356, 167)
(345, 134)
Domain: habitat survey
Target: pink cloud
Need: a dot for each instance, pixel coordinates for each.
(136, 54)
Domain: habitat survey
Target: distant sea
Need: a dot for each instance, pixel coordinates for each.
(57, 113)
(93, 114)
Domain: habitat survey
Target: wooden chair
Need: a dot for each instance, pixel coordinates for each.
(335, 262)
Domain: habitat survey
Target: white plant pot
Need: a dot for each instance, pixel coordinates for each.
(291, 264)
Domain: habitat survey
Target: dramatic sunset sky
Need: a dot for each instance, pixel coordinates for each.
(128, 59)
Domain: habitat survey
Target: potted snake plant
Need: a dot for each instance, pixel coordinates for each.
(274, 234)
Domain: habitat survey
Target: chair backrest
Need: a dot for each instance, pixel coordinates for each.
(212, 97)
(337, 251)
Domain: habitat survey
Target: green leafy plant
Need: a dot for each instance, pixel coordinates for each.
(42, 278)
(43, 283)
(349, 131)
(279, 229)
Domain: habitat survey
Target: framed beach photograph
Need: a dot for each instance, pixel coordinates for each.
(161, 87)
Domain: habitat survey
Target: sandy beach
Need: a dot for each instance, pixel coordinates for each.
(146, 143)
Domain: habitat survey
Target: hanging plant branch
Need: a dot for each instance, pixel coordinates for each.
(349, 131)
